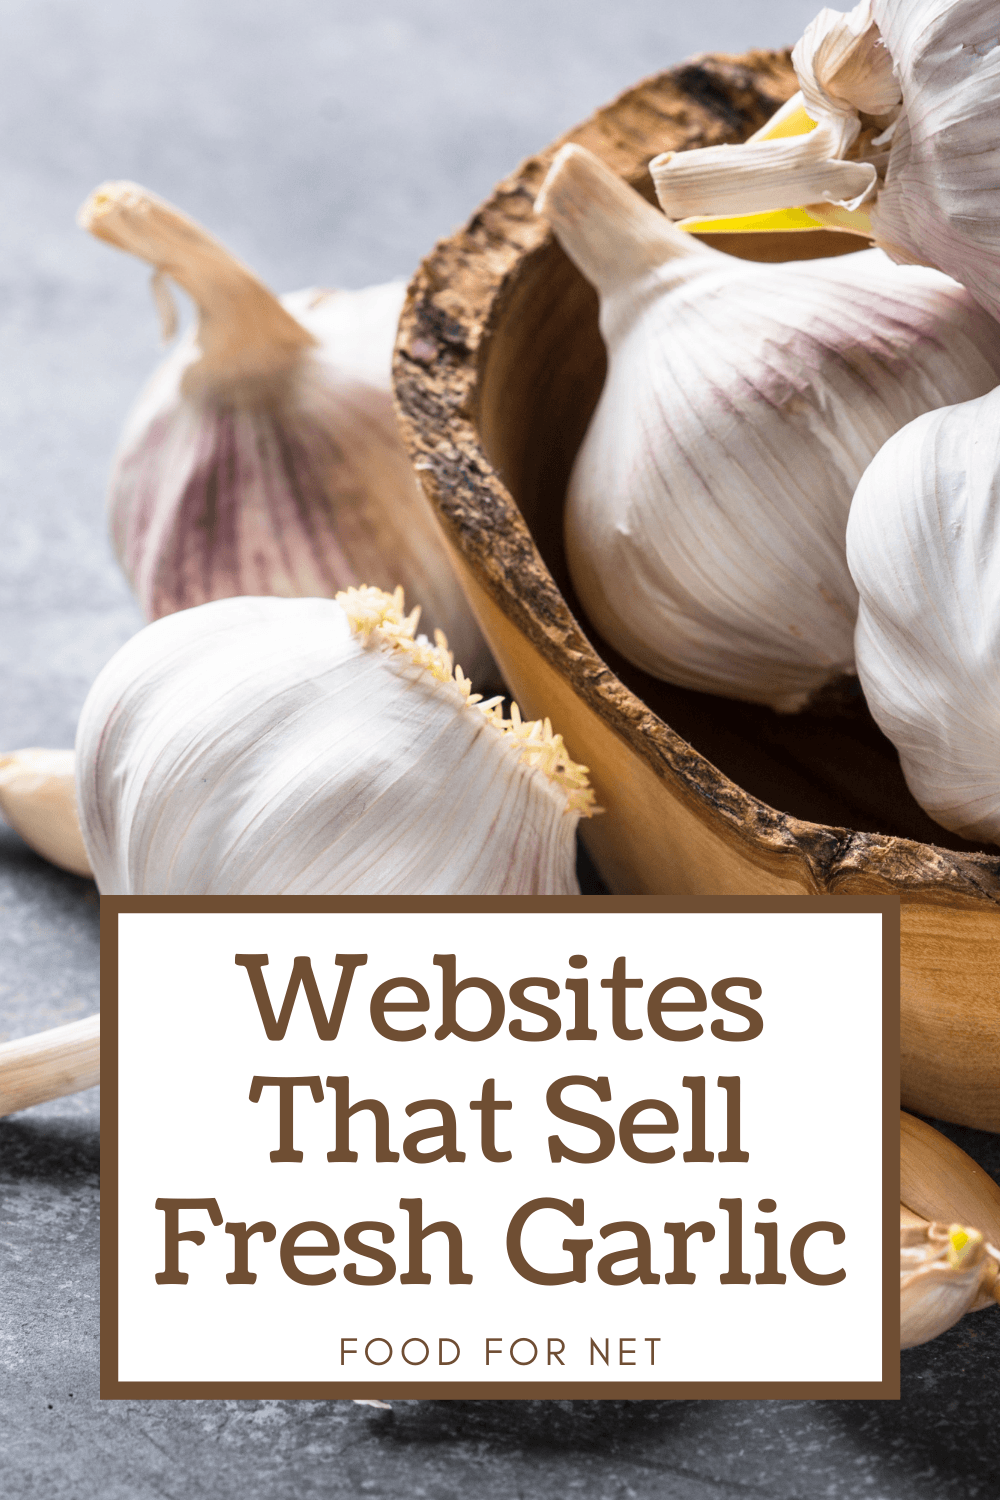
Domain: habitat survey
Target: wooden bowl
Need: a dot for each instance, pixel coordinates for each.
(499, 365)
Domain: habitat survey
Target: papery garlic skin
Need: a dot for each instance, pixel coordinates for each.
(843, 70)
(38, 800)
(264, 456)
(295, 746)
(945, 1271)
(706, 511)
(904, 93)
(940, 201)
(923, 544)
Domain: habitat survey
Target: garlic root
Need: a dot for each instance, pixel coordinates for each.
(38, 800)
(313, 746)
(263, 456)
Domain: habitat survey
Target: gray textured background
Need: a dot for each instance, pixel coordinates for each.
(329, 144)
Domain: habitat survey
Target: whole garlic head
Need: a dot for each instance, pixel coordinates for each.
(923, 544)
(903, 94)
(945, 1271)
(315, 747)
(263, 456)
(706, 511)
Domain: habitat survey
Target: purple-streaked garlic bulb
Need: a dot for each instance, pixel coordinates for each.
(263, 456)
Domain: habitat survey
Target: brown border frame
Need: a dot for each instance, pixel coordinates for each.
(113, 1389)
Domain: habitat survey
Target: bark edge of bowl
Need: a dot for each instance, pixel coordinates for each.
(674, 823)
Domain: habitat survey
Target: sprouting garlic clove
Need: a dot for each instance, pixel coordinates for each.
(911, 103)
(923, 545)
(707, 507)
(263, 456)
(945, 1271)
(38, 800)
(311, 746)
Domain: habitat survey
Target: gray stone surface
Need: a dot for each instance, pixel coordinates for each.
(327, 143)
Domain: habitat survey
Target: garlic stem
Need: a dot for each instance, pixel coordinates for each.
(613, 235)
(244, 333)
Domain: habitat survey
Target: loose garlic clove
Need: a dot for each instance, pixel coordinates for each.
(946, 1268)
(904, 95)
(316, 747)
(264, 456)
(707, 508)
(939, 1181)
(842, 70)
(38, 800)
(923, 544)
(945, 1271)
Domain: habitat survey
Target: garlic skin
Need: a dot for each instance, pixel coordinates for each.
(945, 1271)
(263, 457)
(843, 71)
(904, 94)
(315, 747)
(707, 508)
(923, 545)
(38, 800)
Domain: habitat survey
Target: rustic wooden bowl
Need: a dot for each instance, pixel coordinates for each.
(498, 367)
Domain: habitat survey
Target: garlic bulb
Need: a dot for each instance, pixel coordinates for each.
(707, 507)
(923, 544)
(38, 800)
(945, 1271)
(903, 94)
(264, 456)
(315, 747)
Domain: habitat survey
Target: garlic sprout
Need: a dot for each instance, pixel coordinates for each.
(264, 457)
(945, 1271)
(38, 800)
(707, 508)
(316, 747)
(923, 544)
(903, 94)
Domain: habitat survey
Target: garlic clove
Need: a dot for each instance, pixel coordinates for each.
(946, 1267)
(38, 800)
(310, 746)
(707, 508)
(903, 90)
(263, 456)
(843, 71)
(923, 545)
(940, 1181)
(945, 1271)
